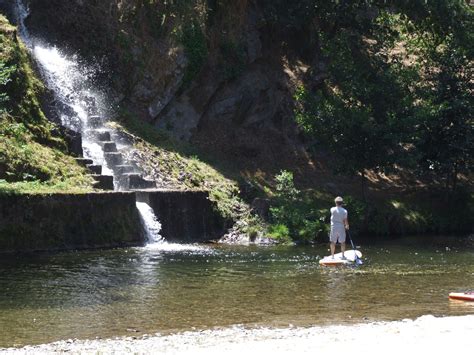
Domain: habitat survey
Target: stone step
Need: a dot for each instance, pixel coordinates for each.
(122, 181)
(95, 169)
(123, 169)
(137, 182)
(95, 121)
(98, 135)
(104, 136)
(113, 159)
(104, 182)
(109, 147)
(84, 161)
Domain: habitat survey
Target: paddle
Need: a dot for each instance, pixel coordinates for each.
(358, 261)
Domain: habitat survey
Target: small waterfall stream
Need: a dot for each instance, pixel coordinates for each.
(83, 108)
(79, 105)
(150, 223)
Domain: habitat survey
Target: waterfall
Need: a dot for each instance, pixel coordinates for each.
(77, 100)
(82, 107)
(150, 223)
(155, 241)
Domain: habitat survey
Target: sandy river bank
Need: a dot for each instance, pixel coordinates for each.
(427, 333)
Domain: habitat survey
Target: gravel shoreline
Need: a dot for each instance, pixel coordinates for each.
(438, 335)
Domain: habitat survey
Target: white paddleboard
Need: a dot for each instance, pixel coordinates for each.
(351, 256)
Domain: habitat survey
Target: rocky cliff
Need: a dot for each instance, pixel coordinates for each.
(210, 73)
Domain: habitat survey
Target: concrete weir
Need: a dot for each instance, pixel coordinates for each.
(46, 222)
(185, 216)
(68, 221)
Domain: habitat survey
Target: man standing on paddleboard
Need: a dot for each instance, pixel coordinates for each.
(339, 224)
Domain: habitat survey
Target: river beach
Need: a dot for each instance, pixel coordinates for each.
(426, 334)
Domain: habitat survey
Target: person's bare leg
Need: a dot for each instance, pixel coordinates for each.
(343, 248)
(332, 246)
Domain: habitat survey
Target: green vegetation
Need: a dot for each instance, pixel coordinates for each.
(444, 109)
(195, 49)
(392, 91)
(31, 158)
(295, 215)
(397, 89)
(303, 216)
(360, 110)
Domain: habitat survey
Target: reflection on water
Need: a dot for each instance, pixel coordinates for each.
(166, 288)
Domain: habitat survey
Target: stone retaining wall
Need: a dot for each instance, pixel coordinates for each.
(68, 221)
(102, 220)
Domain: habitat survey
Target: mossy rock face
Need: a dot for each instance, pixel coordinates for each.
(67, 221)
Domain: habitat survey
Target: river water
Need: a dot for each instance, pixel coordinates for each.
(170, 288)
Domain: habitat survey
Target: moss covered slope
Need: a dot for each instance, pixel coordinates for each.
(32, 159)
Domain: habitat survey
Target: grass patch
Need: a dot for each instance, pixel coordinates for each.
(27, 164)
(39, 187)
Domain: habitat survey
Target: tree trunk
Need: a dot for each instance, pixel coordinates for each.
(455, 178)
(364, 187)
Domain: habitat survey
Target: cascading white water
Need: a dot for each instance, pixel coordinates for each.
(71, 82)
(78, 101)
(150, 223)
(152, 229)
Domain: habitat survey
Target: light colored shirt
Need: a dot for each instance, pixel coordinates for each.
(338, 215)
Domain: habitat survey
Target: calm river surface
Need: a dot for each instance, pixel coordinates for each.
(170, 288)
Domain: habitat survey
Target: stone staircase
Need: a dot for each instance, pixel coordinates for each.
(126, 175)
(102, 182)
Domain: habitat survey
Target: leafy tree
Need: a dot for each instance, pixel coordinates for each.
(294, 215)
(369, 102)
(284, 210)
(445, 135)
(439, 36)
(361, 110)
